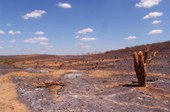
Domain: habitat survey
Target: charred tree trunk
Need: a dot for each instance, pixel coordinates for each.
(136, 64)
(141, 60)
(140, 68)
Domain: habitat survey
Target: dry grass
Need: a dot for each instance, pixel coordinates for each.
(158, 93)
(8, 96)
(107, 74)
(52, 73)
(166, 76)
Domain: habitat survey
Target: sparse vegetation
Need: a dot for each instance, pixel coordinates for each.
(7, 61)
(62, 82)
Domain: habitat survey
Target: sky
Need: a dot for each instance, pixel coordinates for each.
(71, 27)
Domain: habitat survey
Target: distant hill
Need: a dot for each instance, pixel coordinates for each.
(162, 47)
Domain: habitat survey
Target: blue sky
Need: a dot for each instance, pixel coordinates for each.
(80, 26)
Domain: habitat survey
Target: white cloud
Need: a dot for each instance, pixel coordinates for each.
(153, 15)
(156, 22)
(130, 37)
(12, 41)
(157, 31)
(64, 5)
(79, 44)
(34, 14)
(36, 40)
(82, 45)
(88, 39)
(43, 43)
(85, 31)
(1, 47)
(11, 32)
(9, 24)
(85, 46)
(147, 3)
(77, 37)
(2, 32)
(39, 33)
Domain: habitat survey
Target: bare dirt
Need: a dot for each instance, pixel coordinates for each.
(88, 83)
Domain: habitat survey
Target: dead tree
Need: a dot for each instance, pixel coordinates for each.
(140, 68)
(141, 60)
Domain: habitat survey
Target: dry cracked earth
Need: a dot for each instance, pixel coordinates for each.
(89, 83)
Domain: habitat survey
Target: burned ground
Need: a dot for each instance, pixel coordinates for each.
(98, 82)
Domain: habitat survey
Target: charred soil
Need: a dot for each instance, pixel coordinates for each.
(103, 82)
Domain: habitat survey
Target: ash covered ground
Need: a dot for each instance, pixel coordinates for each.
(88, 83)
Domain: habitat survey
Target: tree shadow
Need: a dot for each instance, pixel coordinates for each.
(131, 85)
